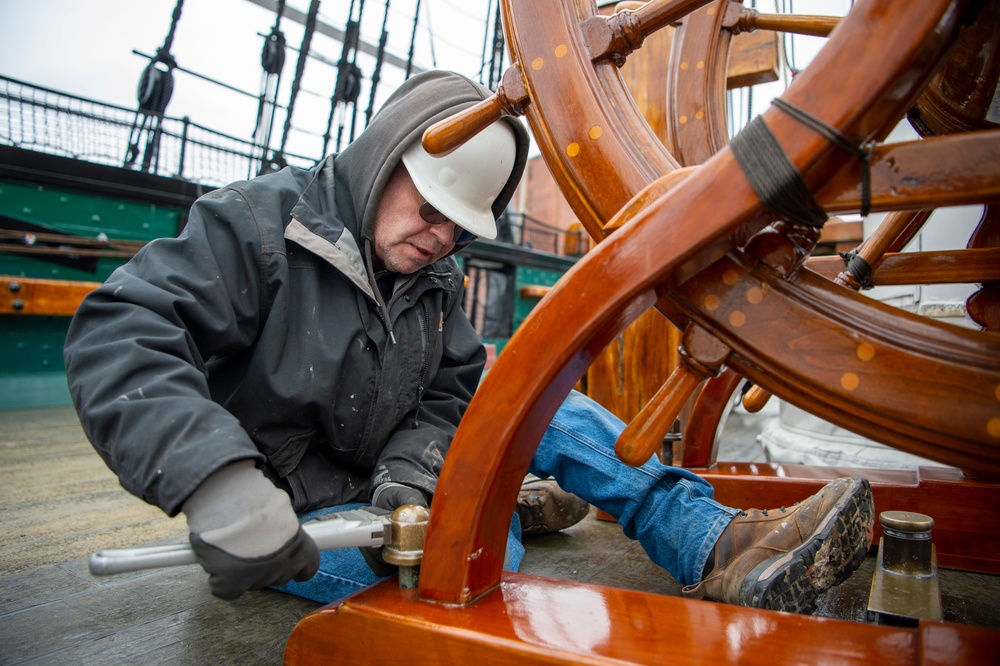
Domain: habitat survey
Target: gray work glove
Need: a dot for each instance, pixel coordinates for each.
(390, 496)
(245, 533)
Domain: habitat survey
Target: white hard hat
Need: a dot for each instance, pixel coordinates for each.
(463, 184)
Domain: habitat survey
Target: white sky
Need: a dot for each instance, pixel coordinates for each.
(84, 47)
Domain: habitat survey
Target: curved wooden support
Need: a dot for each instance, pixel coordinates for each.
(984, 305)
(698, 436)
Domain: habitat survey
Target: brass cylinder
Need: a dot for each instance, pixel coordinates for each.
(408, 526)
(906, 542)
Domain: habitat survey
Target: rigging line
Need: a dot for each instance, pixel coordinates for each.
(486, 38)
(377, 73)
(272, 65)
(174, 20)
(299, 67)
(324, 28)
(457, 9)
(351, 33)
(156, 86)
(496, 61)
(413, 41)
(430, 33)
(356, 71)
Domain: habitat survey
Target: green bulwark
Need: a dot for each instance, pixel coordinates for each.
(32, 373)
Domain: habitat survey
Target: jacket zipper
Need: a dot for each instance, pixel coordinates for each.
(425, 346)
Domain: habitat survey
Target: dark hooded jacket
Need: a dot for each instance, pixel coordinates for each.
(259, 333)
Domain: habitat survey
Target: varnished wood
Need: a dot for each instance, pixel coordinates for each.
(630, 370)
(754, 59)
(961, 96)
(466, 542)
(533, 291)
(702, 357)
(815, 26)
(509, 100)
(984, 305)
(755, 399)
(39, 297)
(526, 619)
(699, 445)
(643, 435)
(919, 175)
(799, 332)
(929, 267)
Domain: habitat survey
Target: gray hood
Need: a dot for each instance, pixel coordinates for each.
(362, 169)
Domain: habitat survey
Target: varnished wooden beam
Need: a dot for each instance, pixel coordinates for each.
(33, 296)
(534, 620)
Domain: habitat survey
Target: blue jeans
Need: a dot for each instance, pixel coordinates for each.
(670, 510)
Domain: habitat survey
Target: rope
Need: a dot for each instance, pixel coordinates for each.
(377, 73)
(413, 41)
(859, 268)
(300, 66)
(156, 86)
(773, 176)
(863, 152)
(272, 61)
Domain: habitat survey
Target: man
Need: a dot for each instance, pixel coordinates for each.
(300, 348)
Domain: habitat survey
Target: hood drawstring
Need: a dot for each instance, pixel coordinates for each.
(383, 310)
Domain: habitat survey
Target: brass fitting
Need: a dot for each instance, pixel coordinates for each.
(408, 529)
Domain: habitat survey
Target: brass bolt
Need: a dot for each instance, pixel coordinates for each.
(408, 527)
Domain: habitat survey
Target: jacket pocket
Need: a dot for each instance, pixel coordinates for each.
(287, 457)
(317, 483)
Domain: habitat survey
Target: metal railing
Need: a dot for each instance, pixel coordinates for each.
(56, 123)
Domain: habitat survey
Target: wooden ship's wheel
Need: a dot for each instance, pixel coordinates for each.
(699, 245)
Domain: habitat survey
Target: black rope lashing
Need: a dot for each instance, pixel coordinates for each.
(773, 176)
(859, 267)
(863, 152)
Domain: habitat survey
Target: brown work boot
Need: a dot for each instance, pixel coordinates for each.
(784, 559)
(544, 507)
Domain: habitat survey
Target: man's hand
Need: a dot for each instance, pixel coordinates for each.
(391, 496)
(245, 533)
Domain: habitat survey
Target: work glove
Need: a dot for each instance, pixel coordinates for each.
(389, 497)
(245, 533)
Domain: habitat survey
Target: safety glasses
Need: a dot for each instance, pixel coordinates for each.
(432, 215)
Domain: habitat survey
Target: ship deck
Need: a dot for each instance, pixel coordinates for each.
(60, 503)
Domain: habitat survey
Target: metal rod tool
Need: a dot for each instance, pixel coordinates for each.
(346, 529)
